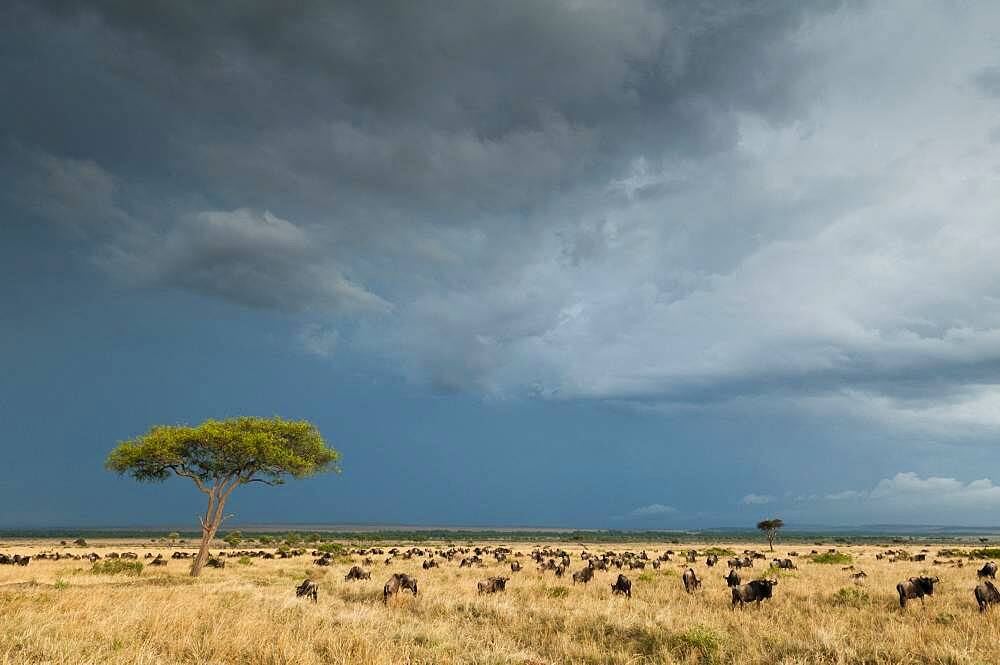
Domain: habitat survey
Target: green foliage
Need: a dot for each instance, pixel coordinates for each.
(313, 538)
(233, 538)
(265, 540)
(293, 539)
(61, 584)
(851, 597)
(245, 561)
(239, 450)
(832, 557)
(117, 567)
(557, 592)
(173, 536)
(700, 639)
(945, 618)
(719, 551)
(333, 548)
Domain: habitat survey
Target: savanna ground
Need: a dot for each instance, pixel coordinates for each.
(61, 612)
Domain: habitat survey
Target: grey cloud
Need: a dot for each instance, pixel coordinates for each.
(664, 203)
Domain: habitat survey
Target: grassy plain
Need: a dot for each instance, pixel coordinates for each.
(61, 612)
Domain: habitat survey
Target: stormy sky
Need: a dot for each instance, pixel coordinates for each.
(570, 263)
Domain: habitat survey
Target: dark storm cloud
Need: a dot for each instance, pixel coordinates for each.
(679, 203)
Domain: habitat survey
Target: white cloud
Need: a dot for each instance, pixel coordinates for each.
(652, 510)
(756, 500)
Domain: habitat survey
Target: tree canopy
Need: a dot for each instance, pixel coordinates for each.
(220, 455)
(236, 451)
(770, 528)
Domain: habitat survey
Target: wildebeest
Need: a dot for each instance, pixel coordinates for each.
(158, 561)
(493, 584)
(356, 573)
(584, 575)
(396, 583)
(753, 591)
(732, 579)
(712, 560)
(986, 594)
(915, 587)
(690, 579)
(308, 589)
(515, 566)
(213, 562)
(622, 585)
(859, 576)
(989, 570)
(429, 563)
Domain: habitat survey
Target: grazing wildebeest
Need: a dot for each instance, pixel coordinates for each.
(398, 581)
(989, 570)
(493, 584)
(753, 591)
(691, 581)
(785, 564)
(158, 561)
(560, 570)
(584, 575)
(429, 563)
(712, 560)
(308, 589)
(915, 587)
(622, 585)
(859, 576)
(515, 566)
(986, 594)
(22, 560)
(356, 573)
(732, 579)
(215, 563)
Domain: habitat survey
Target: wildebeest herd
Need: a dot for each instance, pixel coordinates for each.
(556, 561)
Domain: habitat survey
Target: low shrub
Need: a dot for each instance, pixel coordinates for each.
(832, 557)
(117, 567)
(700, 639)
(851, 597)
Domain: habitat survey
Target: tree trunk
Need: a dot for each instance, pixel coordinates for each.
(209, 525)
(770, 541)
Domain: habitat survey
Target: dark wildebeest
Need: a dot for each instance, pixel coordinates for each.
(986, 595)
(515, 566)
(356, 573)
(785, 564)
(493, 584)
(753, 591)
(584, 575)
(859, 576)
(308, 589)
(915, 587)
(622, 585)
(429, 563)
(691, 581)
(158, 561)
(398, 581)
(215, 563)
(22, 560)
(989, 570)
(711, 560)
(732, 579)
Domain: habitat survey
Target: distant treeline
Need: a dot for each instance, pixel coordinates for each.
(312, 535)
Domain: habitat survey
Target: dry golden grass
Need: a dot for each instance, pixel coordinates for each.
(58, 612)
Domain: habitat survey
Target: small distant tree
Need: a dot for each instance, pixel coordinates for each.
(265, 540)
(770, 528)
(80, 542)
(233, 538)
(313, 537)
(174, 536)
(219, 456)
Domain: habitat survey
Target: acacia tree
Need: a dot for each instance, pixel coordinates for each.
(770, 528)
(219, 456)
